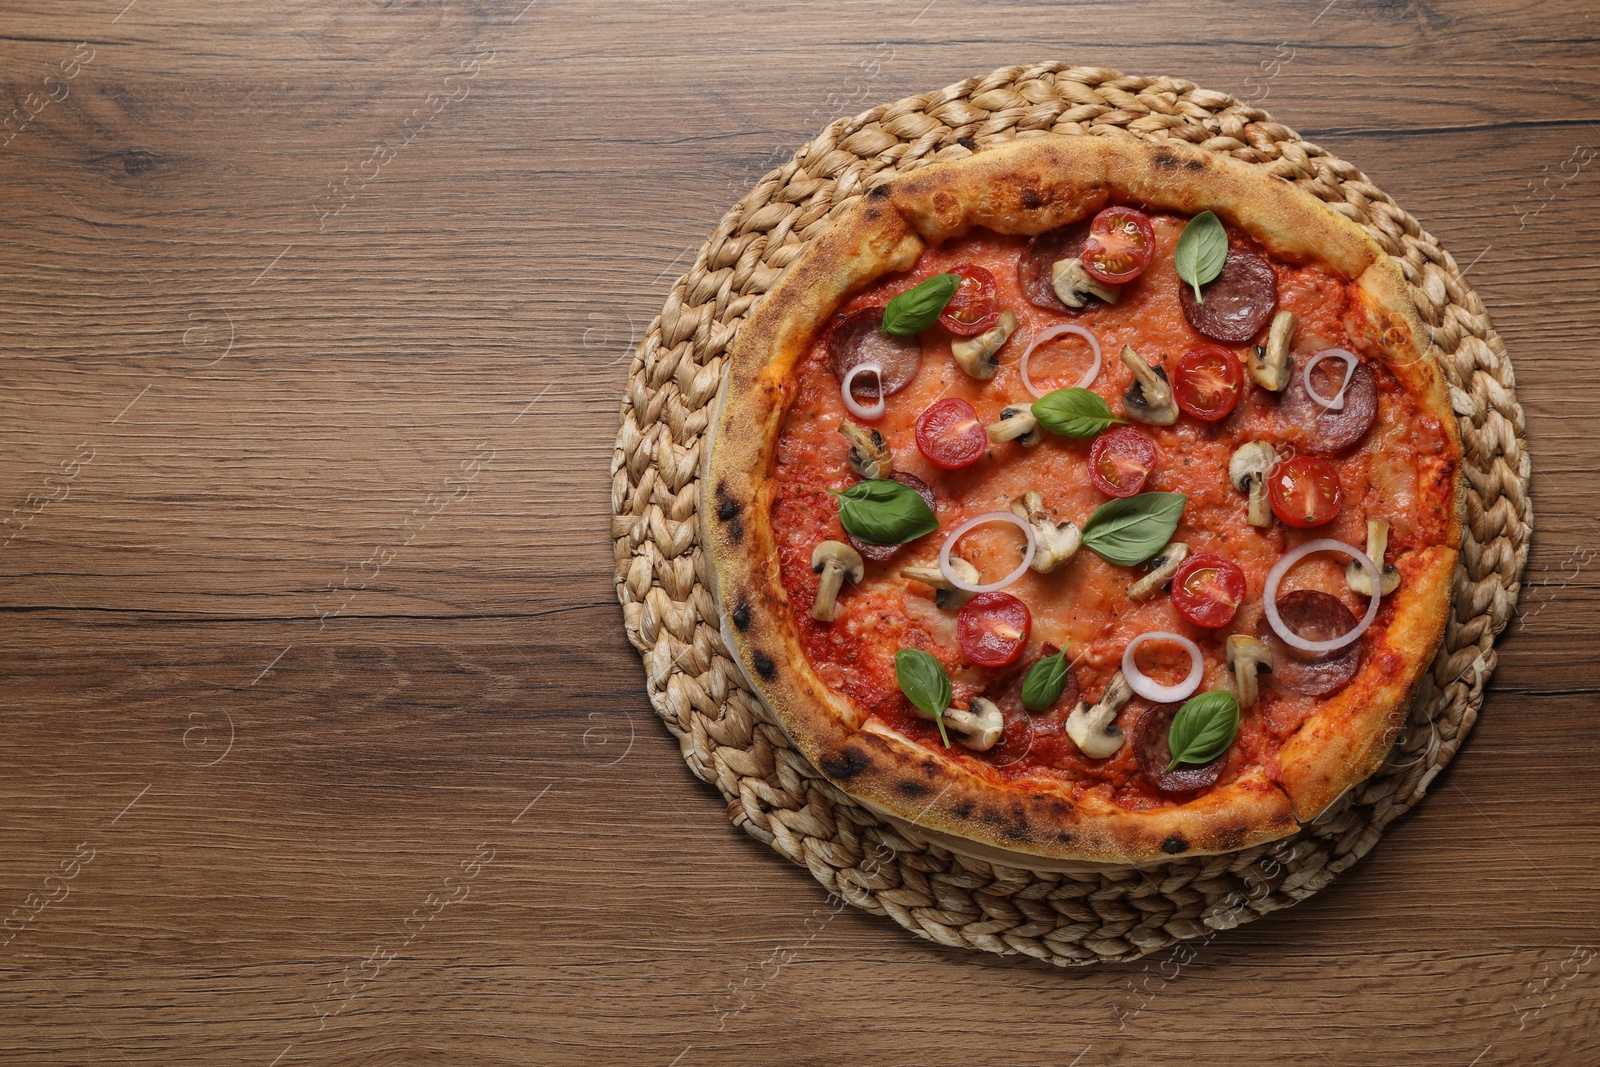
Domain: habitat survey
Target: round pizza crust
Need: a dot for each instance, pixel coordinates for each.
(1028, 187)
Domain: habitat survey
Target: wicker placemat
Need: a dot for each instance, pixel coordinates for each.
(772, 792)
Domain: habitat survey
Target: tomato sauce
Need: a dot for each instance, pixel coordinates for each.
(1083, 605)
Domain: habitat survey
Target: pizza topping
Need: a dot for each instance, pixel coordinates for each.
(1120, 246)
(1377, 543)
(1269, 596)
(979, 356)
(1209, 383)
(1051, 334)
(887, 511)
(1326, 429)
(1247, 658)
(1016, 424)
(856, 339)
(979, 727)
(1038, 260)
(1129, 531)
(1336, 402)
(1269, 363)
(1074, 285)
(1074, 412)
(1238, 303)
(946, 596)
(1146, 686)
(1149, 399)
(919, 308)
(1310, 613)
(926, 683)
(1202, 249)
(1093, 727)
(971, 524)
(1045, 680)
(1208, 589)
(847, 391)
(1305, 491)
(1248, 470)
(1166, 564)
(1054, 542)
(1121, 461)
(835, 561)
(870, 456)
(1008, 691)
(949, 434)
(972, 309)
(1152, 746)
(992, 629)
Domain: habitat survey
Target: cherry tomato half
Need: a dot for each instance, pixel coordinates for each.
(993, 629)
(1304, 491)
(972, 309)
(950, 435)
(1208, 589)
(1120, 461)
(1209, 383)
(1120, 246)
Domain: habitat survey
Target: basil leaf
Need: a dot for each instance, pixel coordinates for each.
(1045, 681)
(1203, 728)
(882, 511)
(917, 309)
(1201, 251)
(1073, 412)
(924, 682)
(1131, 530)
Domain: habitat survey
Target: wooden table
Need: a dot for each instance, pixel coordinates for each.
(323, 741)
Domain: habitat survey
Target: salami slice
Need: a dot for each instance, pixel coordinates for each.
(1315, 616)
(856, 339)
(1038, 260)
(1153, 751)
(1238, 302)
(882, 553)
(1324, 429)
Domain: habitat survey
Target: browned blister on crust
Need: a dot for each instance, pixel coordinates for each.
(1028, 187)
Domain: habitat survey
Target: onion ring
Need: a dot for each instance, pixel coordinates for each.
(1350, 361)
(876, 410)
(973, 523)
(1269, 594)
(1147, 686)
(1050, 335)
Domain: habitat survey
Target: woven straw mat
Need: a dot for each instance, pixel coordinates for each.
(773, 793)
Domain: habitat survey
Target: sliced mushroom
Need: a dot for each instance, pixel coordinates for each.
(1016, 424)
(1054, 542)
(1247, 657)
(1166, 565)
(870, 454)
(978, 355)
(1269, 363)
(1074, 286)
(979, 727)
(835, 561)
(946, 596)
(1093, 727)
(1149, 398)
(1247, 470)
(1355, 575)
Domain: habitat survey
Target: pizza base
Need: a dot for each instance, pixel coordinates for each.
(1027, 187)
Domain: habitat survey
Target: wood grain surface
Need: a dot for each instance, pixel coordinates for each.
(323, 743)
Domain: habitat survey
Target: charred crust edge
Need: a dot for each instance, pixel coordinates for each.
(763, 664)
(741, 616)
(851, 762)
(1174, 845)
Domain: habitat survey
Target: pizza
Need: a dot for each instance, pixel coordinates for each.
(1086, 500)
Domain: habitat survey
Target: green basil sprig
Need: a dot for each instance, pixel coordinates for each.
(1131, 530)
(1074, 412)
(1044, 682)
(1201, 251)
(1203, 728)
(924, 682)
(882, 511)
(917, 309)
